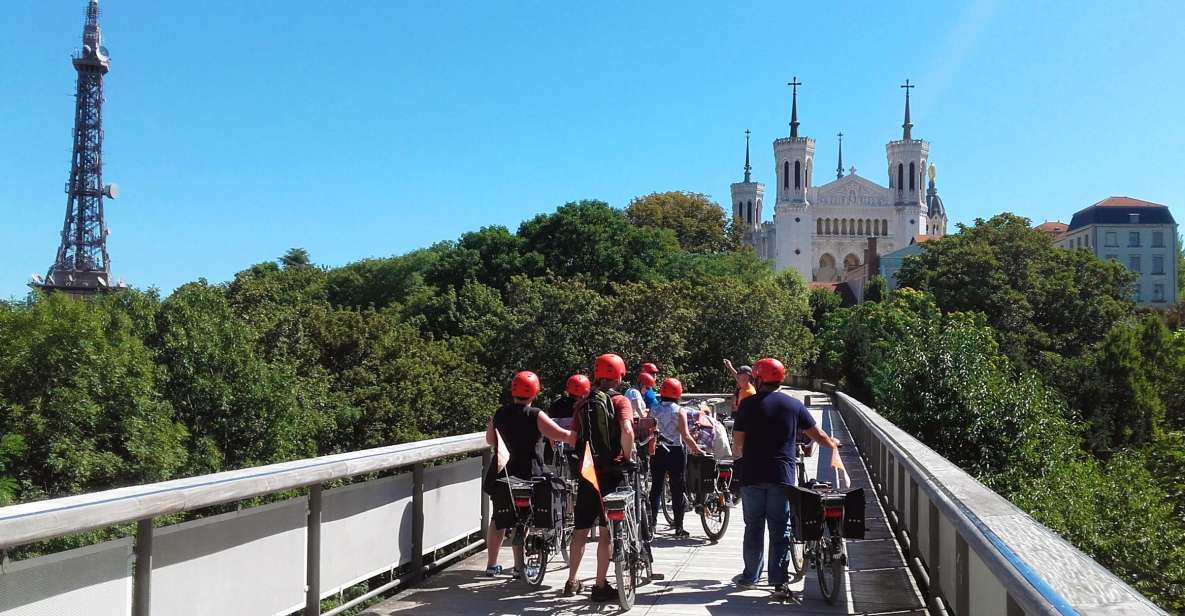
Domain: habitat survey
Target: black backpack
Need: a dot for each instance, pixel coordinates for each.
(599, 427)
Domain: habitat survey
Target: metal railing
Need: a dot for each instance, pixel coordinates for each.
(972, 551)
(32, 522)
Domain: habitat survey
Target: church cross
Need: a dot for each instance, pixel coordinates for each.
(907, 87)
(794, 83)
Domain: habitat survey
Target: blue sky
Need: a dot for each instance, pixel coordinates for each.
(356, 129)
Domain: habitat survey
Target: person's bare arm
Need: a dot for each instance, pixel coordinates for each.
(553, 431)
(728, 366)
(819, 436)
(685, 433)
(627, 438)
(490, 438)
(738, 444)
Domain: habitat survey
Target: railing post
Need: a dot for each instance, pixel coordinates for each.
(417, 521)
(486, 458)
(312, 596)
(142, 574)
(962, 577)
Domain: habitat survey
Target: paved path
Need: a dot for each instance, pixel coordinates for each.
(697, 572)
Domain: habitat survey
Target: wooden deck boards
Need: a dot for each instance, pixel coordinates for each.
(697, 573)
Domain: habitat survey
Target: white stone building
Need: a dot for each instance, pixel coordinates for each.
(821, 231)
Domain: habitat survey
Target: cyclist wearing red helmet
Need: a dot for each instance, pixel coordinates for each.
(649, 395)
(767, 424)
(577, 389)
(521, 427)
(604, 422)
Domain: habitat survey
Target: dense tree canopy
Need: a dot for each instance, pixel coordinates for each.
(699, 223)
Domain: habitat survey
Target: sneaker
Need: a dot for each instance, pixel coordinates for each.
(681, 534)
(601, 594)
(573, 588)
(782, 591)
(741, 582)
(494, 571)
(528, 571)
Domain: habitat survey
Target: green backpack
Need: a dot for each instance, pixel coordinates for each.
(599, 427)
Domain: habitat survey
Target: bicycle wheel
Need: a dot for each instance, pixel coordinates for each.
(536, 554)
(714, 517)
(668, 505)
(625, 563)
(565, 547)
(626, 569)
(830, 565)
(797, 553)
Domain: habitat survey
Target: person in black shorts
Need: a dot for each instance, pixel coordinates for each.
(604, 424)
(521, 428)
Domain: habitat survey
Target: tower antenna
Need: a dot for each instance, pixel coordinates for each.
(82, 266)
(839, 165)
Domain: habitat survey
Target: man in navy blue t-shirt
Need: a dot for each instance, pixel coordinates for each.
(764, 434)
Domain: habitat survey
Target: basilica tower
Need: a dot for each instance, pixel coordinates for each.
(747, 196)
(907, 169)
(794, 161)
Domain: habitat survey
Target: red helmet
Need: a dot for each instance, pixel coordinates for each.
(769, 370)
(671, 388)
(646, 379)
(525, 385)
(649, 368)
(609, 366)
(578, 385)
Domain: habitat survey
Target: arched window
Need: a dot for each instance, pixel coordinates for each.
(851, 226)
(860, 227)
(884, 227)
(851, 261)
(826, 271)
(818, 226)
(900, 176)
(827, 226)
(843, 227)
(786, 174)
(798, 174)
(752, 218)
(912, 174)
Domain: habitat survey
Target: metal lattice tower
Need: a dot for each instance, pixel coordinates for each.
(82, 265)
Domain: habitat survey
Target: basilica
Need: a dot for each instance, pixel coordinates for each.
(825, 231)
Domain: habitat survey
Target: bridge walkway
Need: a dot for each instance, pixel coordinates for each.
(697, 573)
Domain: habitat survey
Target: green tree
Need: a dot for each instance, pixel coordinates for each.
(876, 289)
(11, 446)
(79, 388)
(823, 302)
(1038, 298)
(491, 256)
(699, 223)
(296, 257)
(593, 242)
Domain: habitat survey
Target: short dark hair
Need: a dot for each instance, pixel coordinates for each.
(745, 370)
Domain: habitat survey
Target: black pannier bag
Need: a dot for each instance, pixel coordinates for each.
(853, 514)
(806, 508)
(548, 501)
(707, 475)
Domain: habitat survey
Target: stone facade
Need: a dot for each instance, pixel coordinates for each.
(822, 231)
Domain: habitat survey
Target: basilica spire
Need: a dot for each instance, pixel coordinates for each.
(748, 168)
(907, 125)
(839, 165)
(794, 83)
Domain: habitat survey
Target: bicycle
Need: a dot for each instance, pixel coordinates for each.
(715, 485)
(820, 515)
(797, 548)
(538, 530)
(625, 510)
